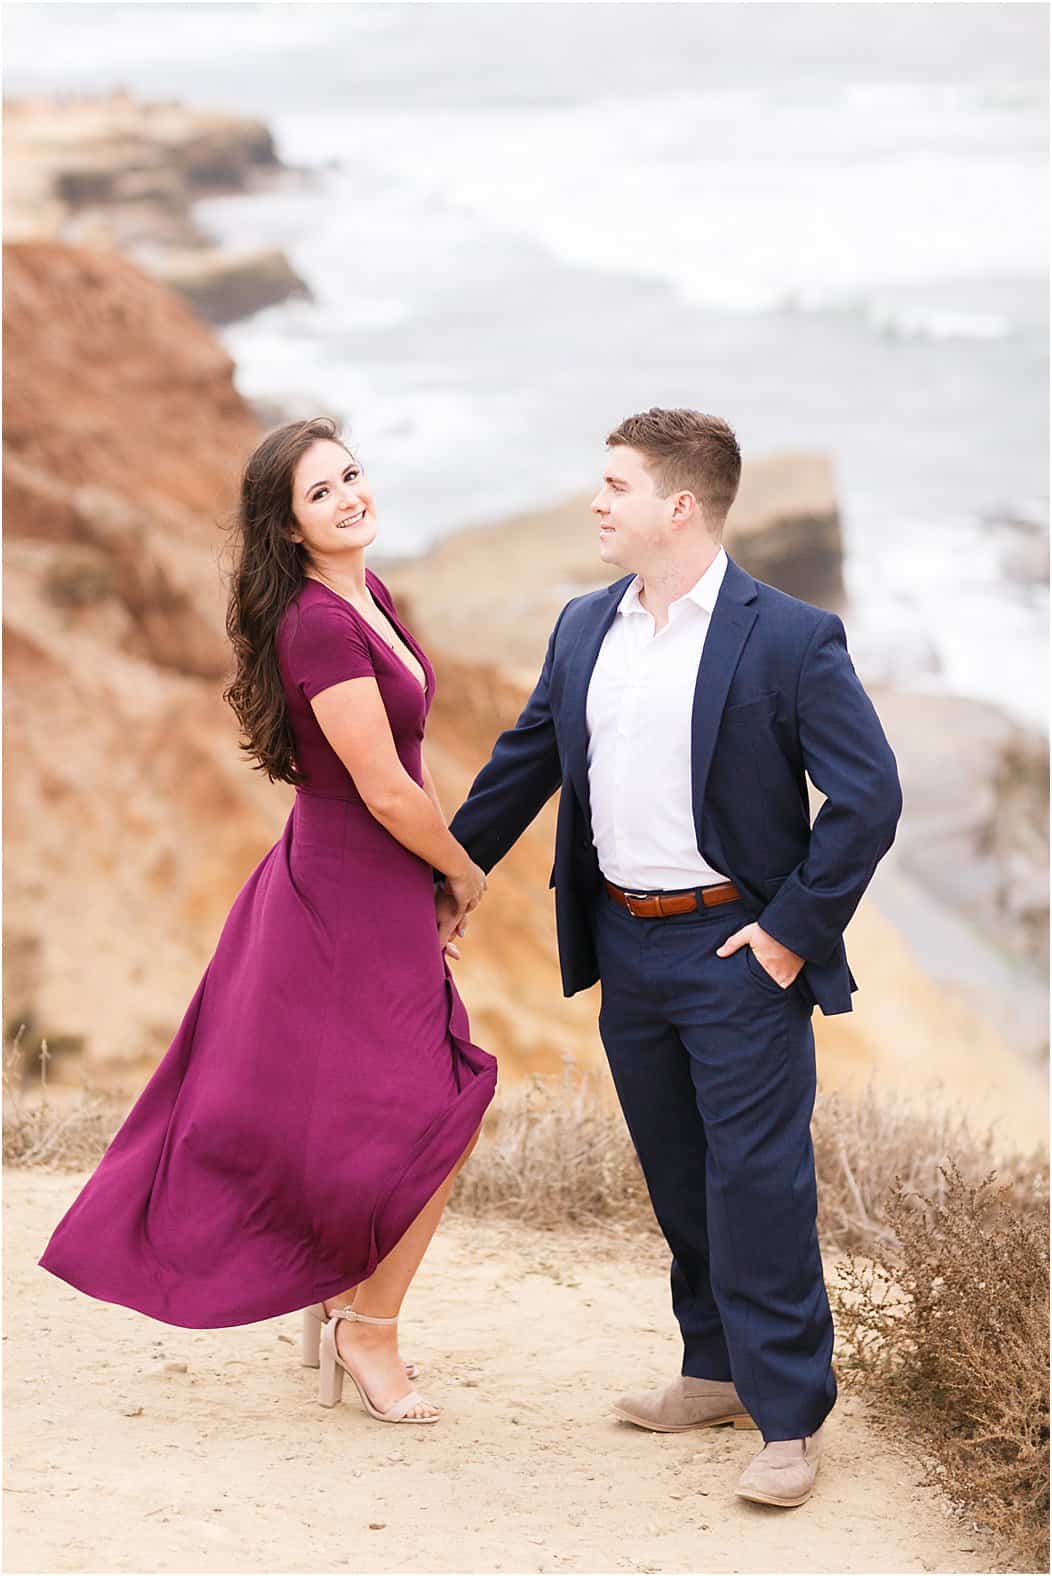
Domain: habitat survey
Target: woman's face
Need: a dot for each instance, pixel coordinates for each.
(332, 505)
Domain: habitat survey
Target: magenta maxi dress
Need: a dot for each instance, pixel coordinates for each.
(322, 1083)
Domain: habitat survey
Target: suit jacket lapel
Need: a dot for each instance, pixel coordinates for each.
(580, 662)
(729, 627)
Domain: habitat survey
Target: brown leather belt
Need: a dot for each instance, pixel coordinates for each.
(662, 906)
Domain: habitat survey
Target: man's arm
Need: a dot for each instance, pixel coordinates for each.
(519, 778)
(848, 758)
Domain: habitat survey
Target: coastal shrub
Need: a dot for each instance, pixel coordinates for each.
(82, 577)
(944, 1325)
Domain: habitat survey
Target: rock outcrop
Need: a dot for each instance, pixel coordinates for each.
(975, 830)
(116, 174)
(222, 286)
(784, 526)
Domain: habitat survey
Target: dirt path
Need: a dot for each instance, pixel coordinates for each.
(117, 1462)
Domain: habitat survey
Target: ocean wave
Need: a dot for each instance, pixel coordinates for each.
(736, 201)
(936, 324)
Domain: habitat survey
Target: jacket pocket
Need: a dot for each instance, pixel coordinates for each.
(765, 697)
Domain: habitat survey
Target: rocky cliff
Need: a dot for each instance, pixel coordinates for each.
(129, 817)
(117, 174)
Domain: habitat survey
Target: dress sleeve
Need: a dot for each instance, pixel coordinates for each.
(328, 648)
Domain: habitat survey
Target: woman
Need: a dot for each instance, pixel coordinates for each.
(298, 1141)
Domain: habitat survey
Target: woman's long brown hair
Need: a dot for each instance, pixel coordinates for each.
(266, 574)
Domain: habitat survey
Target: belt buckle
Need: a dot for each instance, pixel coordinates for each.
(641, 897)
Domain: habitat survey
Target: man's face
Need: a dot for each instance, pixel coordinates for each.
(634, 523)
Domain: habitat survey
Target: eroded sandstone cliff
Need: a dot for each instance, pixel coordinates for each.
(128, 815)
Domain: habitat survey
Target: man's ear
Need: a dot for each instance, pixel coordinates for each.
(684, 506)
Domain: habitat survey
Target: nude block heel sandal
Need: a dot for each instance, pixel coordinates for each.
(310, 1341)
(333, 1368)
(314, 1318)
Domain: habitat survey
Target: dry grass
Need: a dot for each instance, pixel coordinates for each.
(554, 1153)
(66, 1131)
(947, 1327)
(866, 1146)
(942, 1309)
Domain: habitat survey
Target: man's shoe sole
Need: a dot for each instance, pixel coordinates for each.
(772, 1499)
(739, 1419)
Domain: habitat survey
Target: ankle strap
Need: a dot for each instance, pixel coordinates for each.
(360, 1318)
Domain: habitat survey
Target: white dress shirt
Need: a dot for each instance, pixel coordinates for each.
(640, 700)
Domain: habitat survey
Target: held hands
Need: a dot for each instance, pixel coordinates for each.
(453, 902)
(468, 887)
(450, 924)
(782, 965)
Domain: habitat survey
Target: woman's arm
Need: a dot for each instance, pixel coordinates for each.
(430, 789)
(353, 718)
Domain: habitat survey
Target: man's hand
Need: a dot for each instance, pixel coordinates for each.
(782, 965)
(451, 921)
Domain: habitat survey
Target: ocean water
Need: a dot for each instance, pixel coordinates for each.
(521, 222)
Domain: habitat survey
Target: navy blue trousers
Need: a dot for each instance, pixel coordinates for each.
(714, 1066)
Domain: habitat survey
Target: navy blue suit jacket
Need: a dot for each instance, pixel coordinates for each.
(776, 696)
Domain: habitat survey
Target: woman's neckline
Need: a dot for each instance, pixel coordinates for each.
(395, 625)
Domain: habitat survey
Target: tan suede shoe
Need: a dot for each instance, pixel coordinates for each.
(784, 1472)
(685, 1403)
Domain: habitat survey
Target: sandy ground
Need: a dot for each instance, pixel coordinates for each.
(117, 1461)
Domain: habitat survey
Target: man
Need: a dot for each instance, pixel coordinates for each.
(678, 711)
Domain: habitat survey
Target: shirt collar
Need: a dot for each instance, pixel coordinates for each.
(702, 594)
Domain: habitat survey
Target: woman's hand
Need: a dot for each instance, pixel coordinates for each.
(450, 922)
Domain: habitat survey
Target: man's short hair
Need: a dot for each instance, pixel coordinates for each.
(686, 451)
